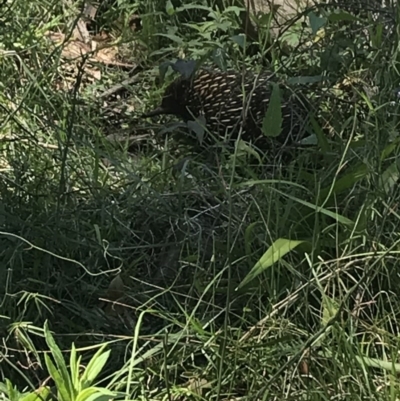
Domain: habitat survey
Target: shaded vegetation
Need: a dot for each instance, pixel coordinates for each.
(207, 275)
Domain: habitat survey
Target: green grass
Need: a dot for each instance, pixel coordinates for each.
(232, 280)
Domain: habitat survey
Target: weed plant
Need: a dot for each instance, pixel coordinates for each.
(136, 269)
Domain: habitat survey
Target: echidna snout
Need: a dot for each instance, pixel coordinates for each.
(156, 112)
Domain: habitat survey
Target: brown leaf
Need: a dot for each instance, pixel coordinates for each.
(90, 11)
(80, 32)
(114, 293)
(116, 289)
(197, 385)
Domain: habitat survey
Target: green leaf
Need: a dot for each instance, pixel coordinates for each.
(329, 309)
(186, 68)
(345, 182)
(210, 27)
(197, 326)
(272, 122)
(169, 8)
(234, 9)
(247, 238)
(335, 216)
(376, 37)
(243, 147)
(74, 368)
(223, 26)
(24, 339)
(265, 20)
(271, 182)
(59, 359)
(219, 58)
(39, 395)
(316, 22)
(94, 393)
(389, 149)
(55, 350)
(102, 395)
(389, 178)
(172, 37)
(309, 140)
(342, 16)
(186, 7)
(240, 40)
(275, 252)
(322, 141)
(198, 127)
(12, 392)
(64, 394)
(95, 366)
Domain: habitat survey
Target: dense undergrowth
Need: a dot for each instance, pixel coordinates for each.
(205, 275)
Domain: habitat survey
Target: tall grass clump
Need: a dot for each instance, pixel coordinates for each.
(136, 267)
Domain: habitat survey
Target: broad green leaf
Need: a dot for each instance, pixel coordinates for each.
(376, 37)
(329, 309)
(247, 237)
(309, 140)
(367, 361)
(234, 9)
(58, 357)
(242, 146)
(336, 216)
(379, 363)
(39, 395)
(345, 182)
(265, 19)
(172, 37)
(74, 364)
(322, 141)
(3, 387)
(267, 182)
(389, 149)
(333, 215)
(240, 40)
(102, 395)
(275, 252)
(85, 394)
(389, 178)
(185, 67)
(219, 58)
(316, 22)
(93, 393)
(197, 326)
(272, 122)
(192, 6)
(169, 8)
(342, 16)
(198, 127)
(24, 340)
(64, 394)
(204, 29)
(95, 366)
(12, 392)
(222, 26)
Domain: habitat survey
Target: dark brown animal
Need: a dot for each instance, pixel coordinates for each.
(232, 102)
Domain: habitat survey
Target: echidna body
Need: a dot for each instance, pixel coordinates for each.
(227, 100)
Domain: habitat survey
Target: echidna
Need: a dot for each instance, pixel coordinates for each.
(218, 96)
